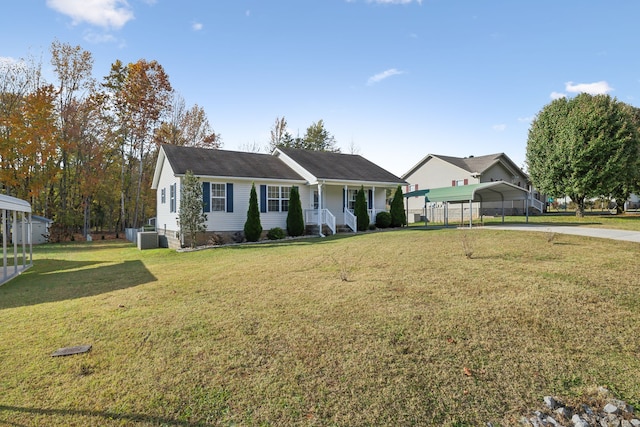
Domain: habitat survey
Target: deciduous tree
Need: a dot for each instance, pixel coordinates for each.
(583, 147)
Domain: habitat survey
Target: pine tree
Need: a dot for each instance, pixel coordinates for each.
(190, 216)
(252, 227)
(398, 216)
(361, 211)
(295, 220)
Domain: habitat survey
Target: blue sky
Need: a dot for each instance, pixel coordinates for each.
(398, 79)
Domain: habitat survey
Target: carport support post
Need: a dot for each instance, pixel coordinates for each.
(527, 206)
(4, 243)
(15, 243)
(470, 213)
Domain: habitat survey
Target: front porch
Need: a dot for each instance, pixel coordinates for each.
(322, 218)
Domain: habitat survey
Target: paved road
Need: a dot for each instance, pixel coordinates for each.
(605, 233)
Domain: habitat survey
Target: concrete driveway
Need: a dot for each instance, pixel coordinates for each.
(604, 233)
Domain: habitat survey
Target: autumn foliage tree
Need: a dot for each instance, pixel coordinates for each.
(83, 153)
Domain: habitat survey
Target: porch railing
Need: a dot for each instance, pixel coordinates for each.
(350, 220)
(373, 213)
(326, 218)
(536, 204)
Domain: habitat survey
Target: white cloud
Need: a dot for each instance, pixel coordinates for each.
(197, 26)
(597, 88)
(383, 75)
(499, 128)
(525, 119)
(103, 13)
(92, 37)
(557, 95)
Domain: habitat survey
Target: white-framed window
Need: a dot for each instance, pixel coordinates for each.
(163, 196)
(352, 195)
(316, 199)
(278, 198)
(351, 200)
(218, 197)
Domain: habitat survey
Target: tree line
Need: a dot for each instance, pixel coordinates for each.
(82, 151)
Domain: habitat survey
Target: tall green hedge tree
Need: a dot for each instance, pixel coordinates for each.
(190, 216)
(361, 211)
(584, 147)
(295, 219)
(252, 227)
(398, 216)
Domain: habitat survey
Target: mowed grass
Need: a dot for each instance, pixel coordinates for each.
(630, 221)
(393, 328)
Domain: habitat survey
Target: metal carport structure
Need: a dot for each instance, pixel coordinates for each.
(10, 207)
(497, 191)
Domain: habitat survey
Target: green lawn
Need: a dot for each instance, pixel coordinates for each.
(394, 328)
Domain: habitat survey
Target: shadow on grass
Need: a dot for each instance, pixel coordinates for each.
(52, 280)
(110, 416)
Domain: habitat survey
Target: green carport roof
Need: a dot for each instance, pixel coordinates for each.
(484, 192)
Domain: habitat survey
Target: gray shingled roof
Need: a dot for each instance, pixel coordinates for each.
(208, 162)
(472, 164)
(337, 166)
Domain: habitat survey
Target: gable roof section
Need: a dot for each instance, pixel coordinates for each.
(324, 165)
(476, 164)
(223, 163)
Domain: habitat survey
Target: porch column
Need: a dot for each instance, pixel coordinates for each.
(345, 198)
(320, 209)
(373, 205)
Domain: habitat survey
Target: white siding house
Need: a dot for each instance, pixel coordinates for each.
(436, 171)
(327, 184)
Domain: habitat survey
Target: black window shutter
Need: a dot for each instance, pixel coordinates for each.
(263, 198)
(229, 197)
(206, 197)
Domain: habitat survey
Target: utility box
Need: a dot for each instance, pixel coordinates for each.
(147, 240)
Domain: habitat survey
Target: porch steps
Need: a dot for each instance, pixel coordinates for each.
(340, 228)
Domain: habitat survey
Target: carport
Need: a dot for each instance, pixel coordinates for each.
(498, 191)
(13, 210)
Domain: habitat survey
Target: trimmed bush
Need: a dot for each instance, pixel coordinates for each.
(252, 227)
(295, 219)
(276, 233)
(383, 219)
(361, 211)
(398, 216)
